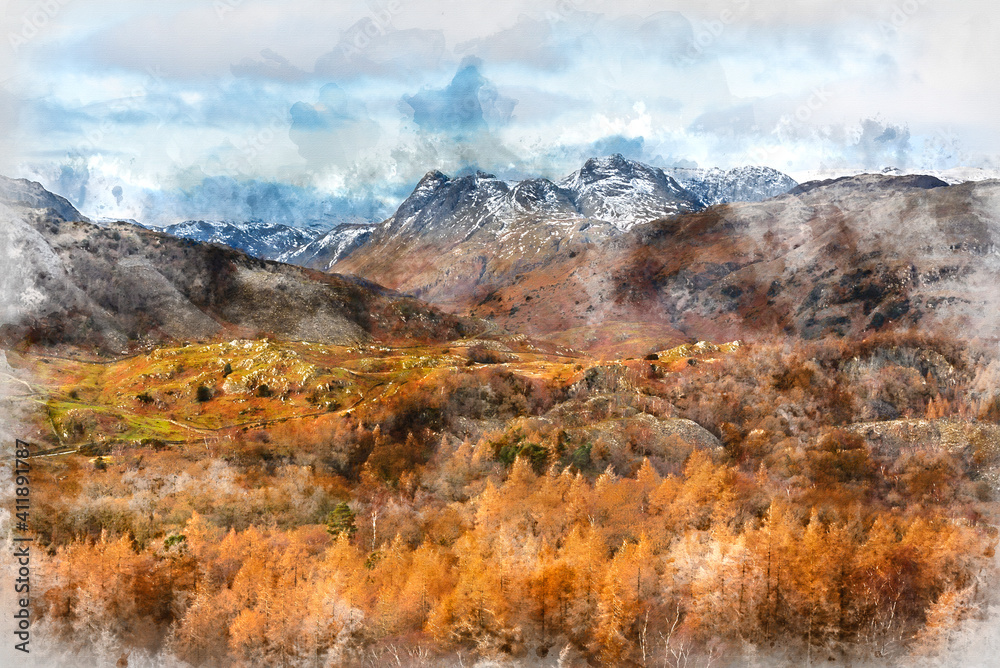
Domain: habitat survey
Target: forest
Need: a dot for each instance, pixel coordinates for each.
(484, 501)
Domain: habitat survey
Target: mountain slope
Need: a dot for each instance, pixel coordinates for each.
(858, 255)
(117, 286)
(624, 192)
(869, 183)
(30, 194)
(455, 239)
(327, 249)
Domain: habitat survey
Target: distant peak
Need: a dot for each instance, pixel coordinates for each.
(434, 176)
(616, 161)
(874, 182)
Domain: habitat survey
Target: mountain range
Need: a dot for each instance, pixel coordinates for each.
(608, 195)
(842, 256)
(258, 238)
(455, 239)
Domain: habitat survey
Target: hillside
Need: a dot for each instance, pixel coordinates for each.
(849, 257)
(119, 285)
(29, 194)
(519, 507)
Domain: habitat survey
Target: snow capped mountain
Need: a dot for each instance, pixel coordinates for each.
(964, 174)
(624, 192)
(322, 253)
(260, 239)
(453, 238)
(443, 207)
(742, 184)
(617, 192)
(488, 216)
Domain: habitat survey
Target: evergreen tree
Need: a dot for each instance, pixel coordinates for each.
(341, 521)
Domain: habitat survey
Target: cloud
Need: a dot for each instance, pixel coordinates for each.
(270, 66)
(372, 48)
(881, 145)
(233, 199)
(470, 104)
(50, 116)
(630, 147)
(336, 130)
(665, 37)
(734, 121)
(534, 42)
(72, 184)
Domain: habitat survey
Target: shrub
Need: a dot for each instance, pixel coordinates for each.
(174, 539)
(991, 412)
(480, 354)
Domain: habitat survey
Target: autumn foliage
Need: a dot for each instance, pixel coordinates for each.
(757, 499)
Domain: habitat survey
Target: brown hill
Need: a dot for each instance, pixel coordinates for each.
(856, 255)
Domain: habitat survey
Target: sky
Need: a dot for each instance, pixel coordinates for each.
(307, 111)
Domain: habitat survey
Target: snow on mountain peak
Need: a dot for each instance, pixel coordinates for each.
(740, 184)
(258, 238)
(624, 192)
